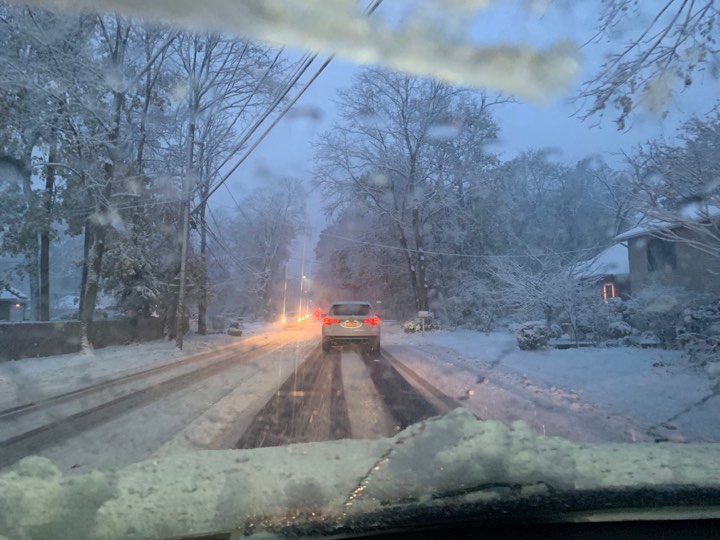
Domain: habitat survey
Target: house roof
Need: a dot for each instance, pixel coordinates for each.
(8, 293)
(692, 212)
(611, 261)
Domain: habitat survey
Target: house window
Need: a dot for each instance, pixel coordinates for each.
(661, 255)
(609, 291)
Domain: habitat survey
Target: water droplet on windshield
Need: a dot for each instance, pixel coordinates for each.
(445, 131)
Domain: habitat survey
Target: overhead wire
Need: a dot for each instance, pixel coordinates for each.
(310, 58)
(221, 243)
(302, 65)
(368, 11)
(450, 254)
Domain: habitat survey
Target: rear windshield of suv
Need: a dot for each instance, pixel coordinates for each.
(351, 309)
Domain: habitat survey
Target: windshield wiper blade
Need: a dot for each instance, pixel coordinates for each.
(469, 507)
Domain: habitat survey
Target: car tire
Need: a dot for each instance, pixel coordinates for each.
(373, 346)
(326, 345)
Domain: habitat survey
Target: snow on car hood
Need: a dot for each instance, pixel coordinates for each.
(224, 490)
(338, 27)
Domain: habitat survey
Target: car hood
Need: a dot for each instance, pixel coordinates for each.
(452, 464)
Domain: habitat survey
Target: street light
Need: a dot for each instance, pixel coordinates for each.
(304, 289)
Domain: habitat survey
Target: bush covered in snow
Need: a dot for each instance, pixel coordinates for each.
(556, 330)
(473, 305)
(532, 335)
(698, 332)
(620, 329)
(658, 310)
(416, 325)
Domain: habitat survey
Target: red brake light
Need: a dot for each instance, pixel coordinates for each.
(374, 321)
(328, 321)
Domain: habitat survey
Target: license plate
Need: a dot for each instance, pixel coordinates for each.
(351, 324)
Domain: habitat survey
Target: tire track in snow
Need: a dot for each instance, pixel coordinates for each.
(48, 434)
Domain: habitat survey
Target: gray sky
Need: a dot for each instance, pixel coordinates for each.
(288, 151)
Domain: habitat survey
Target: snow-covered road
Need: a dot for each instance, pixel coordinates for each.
(207, 396)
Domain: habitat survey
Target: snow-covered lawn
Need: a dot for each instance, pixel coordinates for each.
(195, 415)
(659, 393)
(29, 379)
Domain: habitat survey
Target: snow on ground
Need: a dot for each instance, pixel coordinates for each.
(29, 379)
(211, 413)
(658, 392)
(224, 419)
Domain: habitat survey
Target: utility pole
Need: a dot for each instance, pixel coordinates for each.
(180, 317)
(183, 266)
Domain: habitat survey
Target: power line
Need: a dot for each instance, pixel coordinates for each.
(368, 11)
(224, 247)
(448, 254)
(303, 64)
(217, 260)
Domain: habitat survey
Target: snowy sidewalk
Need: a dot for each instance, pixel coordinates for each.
(25, 380)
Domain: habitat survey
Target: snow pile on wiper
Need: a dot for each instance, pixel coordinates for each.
(216, 491)
(418, 46)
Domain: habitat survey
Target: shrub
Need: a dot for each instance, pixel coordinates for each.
(620, 329)
(473, 305)
(658, 309)
(532, 335)
(698, 332)
(416, 325)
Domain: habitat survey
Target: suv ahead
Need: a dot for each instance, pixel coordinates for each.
(351, 321)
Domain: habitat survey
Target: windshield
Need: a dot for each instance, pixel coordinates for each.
(304, 263)
(350, 309)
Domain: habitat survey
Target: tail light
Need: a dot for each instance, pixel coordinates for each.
(328, 321)
(374, 321)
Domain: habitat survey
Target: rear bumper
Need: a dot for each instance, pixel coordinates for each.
(350, 339)
(362, 333)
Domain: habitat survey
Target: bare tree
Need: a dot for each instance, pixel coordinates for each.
(543, 285)
(660, 55)
(676, 187)
(389, 153)
(253, 247)
(227, 80)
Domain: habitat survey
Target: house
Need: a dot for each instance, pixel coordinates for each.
(610, 270)
(662, 253)
(12, 305)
